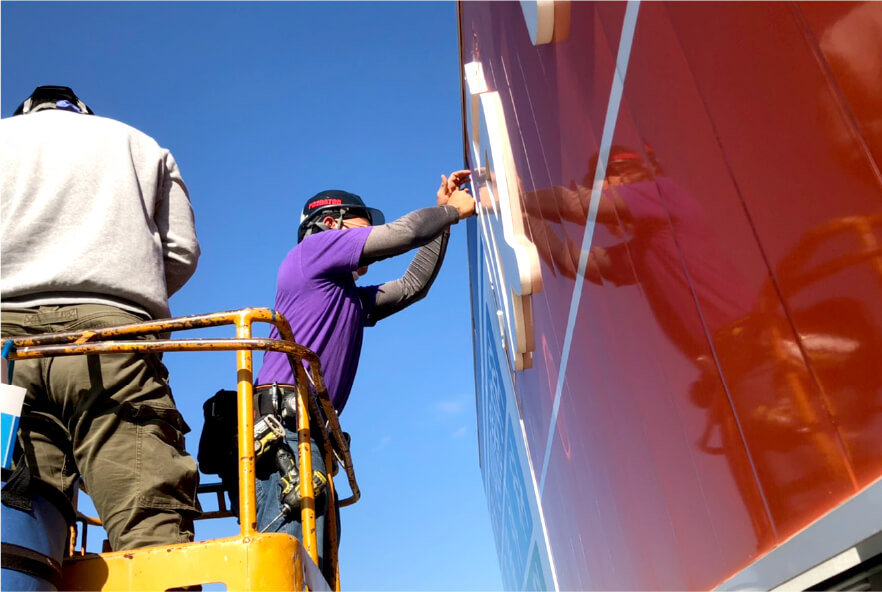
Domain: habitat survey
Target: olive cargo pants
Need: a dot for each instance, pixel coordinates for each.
(110, 419)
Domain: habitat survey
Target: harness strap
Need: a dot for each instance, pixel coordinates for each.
(20, 488)
(30, 562)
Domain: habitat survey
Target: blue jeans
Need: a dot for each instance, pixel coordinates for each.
(269, 505)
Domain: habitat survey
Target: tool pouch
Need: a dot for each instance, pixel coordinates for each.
(218, 446)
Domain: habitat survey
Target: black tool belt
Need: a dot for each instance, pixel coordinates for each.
(218, 444)
(272, 399)
(280, 400)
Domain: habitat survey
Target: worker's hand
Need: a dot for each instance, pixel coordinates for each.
(464, 203)
(451, 184)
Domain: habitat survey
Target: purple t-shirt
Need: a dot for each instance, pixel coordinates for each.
(316, 292)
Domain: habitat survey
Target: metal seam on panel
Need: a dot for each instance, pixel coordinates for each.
(609, 125)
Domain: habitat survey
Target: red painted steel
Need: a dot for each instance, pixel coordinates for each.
(723, 387)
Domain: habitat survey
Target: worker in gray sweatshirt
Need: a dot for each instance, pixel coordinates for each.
(97, 230)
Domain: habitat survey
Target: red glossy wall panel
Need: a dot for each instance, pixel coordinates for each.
(722, 389)
(846, 36)
(725, 265)
(773, 121)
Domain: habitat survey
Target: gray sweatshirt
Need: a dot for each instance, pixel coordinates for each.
(91, 211)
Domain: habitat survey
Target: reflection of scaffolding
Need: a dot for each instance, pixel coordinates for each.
(793, 357)
(252, 560)
(862, 226)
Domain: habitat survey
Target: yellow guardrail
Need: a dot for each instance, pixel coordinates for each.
(153, 576)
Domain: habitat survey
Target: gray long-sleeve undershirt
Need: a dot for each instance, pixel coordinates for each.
(427, 228)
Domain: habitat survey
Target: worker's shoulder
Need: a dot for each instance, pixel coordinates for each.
(115, 126)
(59, 123)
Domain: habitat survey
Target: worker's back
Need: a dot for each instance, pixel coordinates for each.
(85, 203)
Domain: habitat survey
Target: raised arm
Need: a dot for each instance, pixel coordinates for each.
(414, 230)
(428, 228)
(413, 286)
(421, 226)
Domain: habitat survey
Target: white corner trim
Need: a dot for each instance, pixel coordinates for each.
(539, 16)
(474, 75)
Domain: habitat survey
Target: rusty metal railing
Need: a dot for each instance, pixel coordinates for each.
(114, 340)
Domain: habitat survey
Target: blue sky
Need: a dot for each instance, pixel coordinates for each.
(263, 105)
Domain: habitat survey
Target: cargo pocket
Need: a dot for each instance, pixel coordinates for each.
(167, 475)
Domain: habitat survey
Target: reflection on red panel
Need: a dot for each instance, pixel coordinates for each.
(722, 389)
(846, 37)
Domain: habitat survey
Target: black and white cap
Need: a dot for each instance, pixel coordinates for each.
(349, 204)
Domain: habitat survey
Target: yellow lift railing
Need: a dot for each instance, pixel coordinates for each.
(252, 560)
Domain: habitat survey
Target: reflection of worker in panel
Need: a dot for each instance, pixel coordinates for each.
(653, 222)
(664, 221)
(653, 231)
(339, 237)
(659, 223)
(97, 231)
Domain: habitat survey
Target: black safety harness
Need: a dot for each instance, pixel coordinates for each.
(275, 408)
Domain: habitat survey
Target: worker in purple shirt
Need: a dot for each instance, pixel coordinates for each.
(339, 237)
